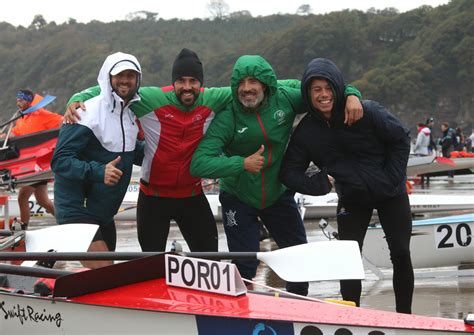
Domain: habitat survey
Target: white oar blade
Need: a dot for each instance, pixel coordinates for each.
(325, 260)
(75, 237)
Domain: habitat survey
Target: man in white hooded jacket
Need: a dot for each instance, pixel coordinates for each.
(93, 160)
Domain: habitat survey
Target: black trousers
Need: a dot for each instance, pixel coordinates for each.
(395, 218)
(283, 221)
(192, 214)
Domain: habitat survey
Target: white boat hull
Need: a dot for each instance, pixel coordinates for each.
(432, 245)
(428, 164)
(326, 206)
(33, 315)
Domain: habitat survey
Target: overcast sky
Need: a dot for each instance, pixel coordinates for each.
(23, 11)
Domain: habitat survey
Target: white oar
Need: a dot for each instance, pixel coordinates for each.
(327, 260)
(69, 237)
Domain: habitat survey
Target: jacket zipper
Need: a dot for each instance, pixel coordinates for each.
(121, 125)
(269, 146)
(183, 137)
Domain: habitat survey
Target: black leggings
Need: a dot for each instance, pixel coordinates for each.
(395, 218)
(193, 216)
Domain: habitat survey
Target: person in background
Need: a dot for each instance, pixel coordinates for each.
(368, 162)
(470, 141)
(30, 123)
(423, 141)
(93, 160)
(244, 146)
(432, 146)
(448, 143)
(424, 145)
(460, 139)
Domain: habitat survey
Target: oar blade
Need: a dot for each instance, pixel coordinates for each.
(69, 237)
(45, 101)
(325, 260)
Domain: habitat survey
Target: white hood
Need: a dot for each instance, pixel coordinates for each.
(104, 74)
(114, 127)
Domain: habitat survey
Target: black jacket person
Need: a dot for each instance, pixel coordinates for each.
(368, 162)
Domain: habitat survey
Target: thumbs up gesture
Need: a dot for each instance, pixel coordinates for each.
(254, 163)
(112, 174)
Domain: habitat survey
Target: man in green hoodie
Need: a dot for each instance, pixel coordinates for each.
(253, 132)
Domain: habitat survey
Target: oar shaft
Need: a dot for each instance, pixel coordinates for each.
(79, 256)
(221, 255)
(32, 271)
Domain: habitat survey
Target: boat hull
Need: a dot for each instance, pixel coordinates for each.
(438, 242)
(153, 308)
(34, 315)
(429, 164)
(326, 206)
(33, 163)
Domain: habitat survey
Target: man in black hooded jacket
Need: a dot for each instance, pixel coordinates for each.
(368, 162)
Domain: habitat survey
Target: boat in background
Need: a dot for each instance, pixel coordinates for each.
(27, 159)
(326, 206)
(418, 165)
(436, 242)
(315, 207)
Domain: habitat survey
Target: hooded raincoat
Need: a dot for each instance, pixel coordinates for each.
(107, 130)
(368, 159)
(238, 134)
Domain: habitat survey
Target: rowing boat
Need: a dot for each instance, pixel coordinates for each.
(418, 165)
(175, 294)
(326, 206)
(27, 158)
(436, 242)
(136, 298)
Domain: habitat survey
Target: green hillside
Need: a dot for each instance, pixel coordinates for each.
(419, 63)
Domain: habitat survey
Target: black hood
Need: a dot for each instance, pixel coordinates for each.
(324, 68)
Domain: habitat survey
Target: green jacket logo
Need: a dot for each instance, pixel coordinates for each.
(280, 117)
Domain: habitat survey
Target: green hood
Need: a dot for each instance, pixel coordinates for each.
(253, 66)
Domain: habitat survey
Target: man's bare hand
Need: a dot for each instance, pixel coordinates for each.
(112, 174)
(254, 163)
(72, 116)
(331, 180)
(353, 111)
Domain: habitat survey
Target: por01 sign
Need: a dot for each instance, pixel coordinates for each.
(203, 275)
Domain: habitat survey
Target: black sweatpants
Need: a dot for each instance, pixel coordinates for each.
(395, 218)
(192, 214)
